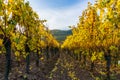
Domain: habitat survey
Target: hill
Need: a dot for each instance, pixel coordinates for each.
(61, 35)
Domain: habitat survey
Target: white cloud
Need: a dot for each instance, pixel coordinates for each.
(62, 18)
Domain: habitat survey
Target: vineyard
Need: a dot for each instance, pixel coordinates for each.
(28, 50)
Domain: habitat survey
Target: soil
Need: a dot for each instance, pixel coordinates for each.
(60, 67)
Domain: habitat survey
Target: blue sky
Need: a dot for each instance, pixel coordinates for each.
(59, 3)
(59, 13)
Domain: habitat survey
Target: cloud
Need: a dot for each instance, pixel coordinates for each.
(61, 18)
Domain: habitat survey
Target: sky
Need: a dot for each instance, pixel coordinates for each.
(59, 13)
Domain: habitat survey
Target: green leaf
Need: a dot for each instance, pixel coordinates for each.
(17, 40)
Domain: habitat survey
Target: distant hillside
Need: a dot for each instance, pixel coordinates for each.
(60, 35)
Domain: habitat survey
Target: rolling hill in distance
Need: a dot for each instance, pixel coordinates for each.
(61, 35)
